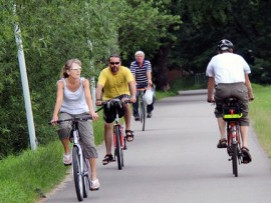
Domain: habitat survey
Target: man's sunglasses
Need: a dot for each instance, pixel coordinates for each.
(114, 63)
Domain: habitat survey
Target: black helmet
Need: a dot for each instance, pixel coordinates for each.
(224, 44)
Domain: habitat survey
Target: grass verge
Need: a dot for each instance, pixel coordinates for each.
(26, 177)
(260, 111)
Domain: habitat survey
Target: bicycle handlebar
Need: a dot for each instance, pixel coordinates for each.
(72, 119)
(111, 100)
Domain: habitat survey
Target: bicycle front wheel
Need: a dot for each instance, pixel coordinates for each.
(143, 115)
(77, 176)
(118, 150)
(86, 182)
(234, 160)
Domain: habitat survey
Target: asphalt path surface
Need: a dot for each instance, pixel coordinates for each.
(176, 160)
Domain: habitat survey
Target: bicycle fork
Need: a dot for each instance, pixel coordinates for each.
(80, 154)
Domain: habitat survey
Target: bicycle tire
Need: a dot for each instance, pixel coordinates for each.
(85, 179)
(234, 160)
(118, 150)
(77, 177)
(143, 115)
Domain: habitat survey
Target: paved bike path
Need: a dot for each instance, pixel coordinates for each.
(176, 160)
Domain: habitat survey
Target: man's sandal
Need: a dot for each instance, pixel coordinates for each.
(107, 159)
(246, 155)
(222, 143)
(129, 135)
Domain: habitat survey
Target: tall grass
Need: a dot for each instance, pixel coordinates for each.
(260, 114)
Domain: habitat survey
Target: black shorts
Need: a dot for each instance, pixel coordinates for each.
(110, 114)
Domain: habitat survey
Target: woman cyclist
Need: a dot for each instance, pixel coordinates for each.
(74, 100)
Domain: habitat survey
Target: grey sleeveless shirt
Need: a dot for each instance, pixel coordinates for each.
(74, 102)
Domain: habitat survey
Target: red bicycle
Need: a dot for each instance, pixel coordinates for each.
(231, 114)
(118, 136)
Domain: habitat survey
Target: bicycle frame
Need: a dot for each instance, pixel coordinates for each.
(79, 163)
(117, 133)
(142, 107)
(75, 142)
(231, 115)
(233, 132)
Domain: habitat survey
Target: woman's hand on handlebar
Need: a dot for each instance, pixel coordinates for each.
(94, 116)
(54, 120)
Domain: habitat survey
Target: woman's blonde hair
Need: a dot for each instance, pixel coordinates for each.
(68, 65)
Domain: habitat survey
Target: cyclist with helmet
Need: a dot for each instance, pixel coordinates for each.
(228, 75)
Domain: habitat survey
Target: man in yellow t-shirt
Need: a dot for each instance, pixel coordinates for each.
(115, 81)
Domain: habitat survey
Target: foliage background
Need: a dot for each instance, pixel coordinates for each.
(52, 33)
(174, 34)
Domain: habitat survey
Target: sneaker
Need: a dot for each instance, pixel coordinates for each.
(137, 118)
(149, 115)
(94, 185)
(67, 159)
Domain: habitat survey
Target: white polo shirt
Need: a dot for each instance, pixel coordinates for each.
(227, 68)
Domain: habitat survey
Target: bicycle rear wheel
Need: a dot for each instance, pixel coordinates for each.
(234, 160)
(143, 115)
(77, 176)
(118, 149)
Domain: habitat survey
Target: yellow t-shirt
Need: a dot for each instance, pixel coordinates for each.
(115, 85)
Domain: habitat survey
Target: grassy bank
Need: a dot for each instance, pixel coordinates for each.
(24, 178)
(260, 114)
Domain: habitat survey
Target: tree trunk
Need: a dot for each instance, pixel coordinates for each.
(160, 63)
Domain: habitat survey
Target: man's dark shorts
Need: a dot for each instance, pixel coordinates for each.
(110, 114)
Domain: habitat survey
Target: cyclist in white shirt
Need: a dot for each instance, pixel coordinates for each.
(228, 75)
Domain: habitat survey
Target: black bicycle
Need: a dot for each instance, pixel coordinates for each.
(232, 112)
(80, 164)
(118, 138)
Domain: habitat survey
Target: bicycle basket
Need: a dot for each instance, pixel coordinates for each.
(232, 111)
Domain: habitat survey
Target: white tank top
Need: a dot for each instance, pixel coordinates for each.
(74, 102)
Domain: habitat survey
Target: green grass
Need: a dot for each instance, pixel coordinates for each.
(163, 94)
(260, 114)
(99, 129)
(23, 177)
(187, 83)
(184, 83)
